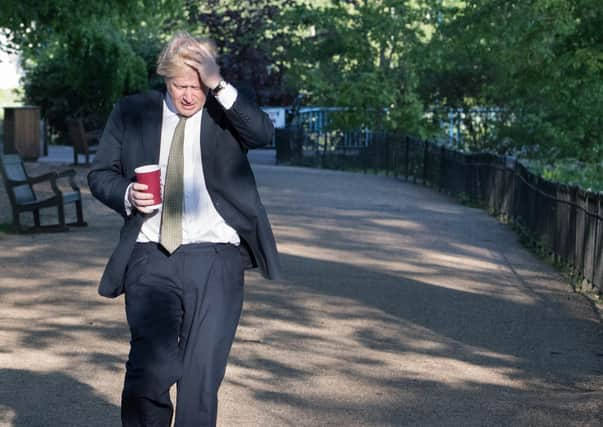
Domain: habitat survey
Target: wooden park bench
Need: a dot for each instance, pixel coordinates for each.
(83, 142)
(23, 198)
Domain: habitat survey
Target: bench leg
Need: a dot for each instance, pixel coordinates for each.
(80, 214)
(36, 215)
(61, 214)
(37, 227)
(16, 220)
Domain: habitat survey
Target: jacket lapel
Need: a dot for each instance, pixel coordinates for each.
(151, 131)
(208, 129)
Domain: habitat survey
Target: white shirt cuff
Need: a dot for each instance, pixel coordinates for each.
(227, 96)
(127, 204)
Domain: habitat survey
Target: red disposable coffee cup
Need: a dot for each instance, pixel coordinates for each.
(151, 176)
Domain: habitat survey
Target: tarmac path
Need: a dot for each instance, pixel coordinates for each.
(399, 307)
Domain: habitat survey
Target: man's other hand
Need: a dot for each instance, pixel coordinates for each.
(202, 60)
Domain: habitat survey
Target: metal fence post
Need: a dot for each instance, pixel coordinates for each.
(594, 210)
(406, 159)
(597, 261)
(387, 154)
(442, 168)
(425, 162)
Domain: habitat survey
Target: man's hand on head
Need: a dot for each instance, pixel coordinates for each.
(201, 59)
(140, 199)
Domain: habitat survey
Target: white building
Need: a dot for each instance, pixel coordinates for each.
(10, 70)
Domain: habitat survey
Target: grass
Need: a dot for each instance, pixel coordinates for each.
(588, 176)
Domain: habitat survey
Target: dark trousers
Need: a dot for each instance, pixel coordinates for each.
(183, 311)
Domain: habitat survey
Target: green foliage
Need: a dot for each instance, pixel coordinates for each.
(387, 62)
(540, 61)
(31, 24)
(252, 43)
(355, 54)
(570, 171)
(84, 73)
(79, 57)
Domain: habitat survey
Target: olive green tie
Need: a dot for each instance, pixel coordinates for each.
(170, 235)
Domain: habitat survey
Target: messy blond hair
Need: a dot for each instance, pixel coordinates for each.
(171, 59)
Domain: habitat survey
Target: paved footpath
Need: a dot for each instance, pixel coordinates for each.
(399, 307)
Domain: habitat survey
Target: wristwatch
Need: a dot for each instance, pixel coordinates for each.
(218, 88)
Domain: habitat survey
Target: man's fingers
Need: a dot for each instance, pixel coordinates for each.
(146, 201)
(139, 195)
(199, 48)
(141, 200)
(199, 54)
(206, 51)
(139, 186)
(193, 63)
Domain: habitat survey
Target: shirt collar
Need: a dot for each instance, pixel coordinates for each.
(171, 108)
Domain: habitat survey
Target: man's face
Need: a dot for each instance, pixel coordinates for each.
(186, 91)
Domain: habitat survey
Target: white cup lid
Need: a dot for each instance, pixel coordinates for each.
(146, 168)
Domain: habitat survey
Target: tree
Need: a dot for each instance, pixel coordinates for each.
(84, 75)
(539, 61)
(31, 24)
(79, 57)
(251, 41)
(356, 54)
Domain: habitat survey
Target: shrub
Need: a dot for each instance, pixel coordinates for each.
(83, 74)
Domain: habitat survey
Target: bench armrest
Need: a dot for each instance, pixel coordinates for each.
(50, 176)
(66, 173)
(69, 173)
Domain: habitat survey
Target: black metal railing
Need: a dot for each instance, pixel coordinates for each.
(565, 221)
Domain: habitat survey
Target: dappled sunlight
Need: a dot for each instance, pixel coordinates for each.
(336, 342)
(406, 312)
(460, 263)
(7, 415)
(394, 305)
(53, 320)
(476, 269)
(401, 224)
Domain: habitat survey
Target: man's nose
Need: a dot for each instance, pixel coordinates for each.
(188, 93)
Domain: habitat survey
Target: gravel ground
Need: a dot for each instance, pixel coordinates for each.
(399, 307)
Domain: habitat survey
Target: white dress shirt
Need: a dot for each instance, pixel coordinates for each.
(201, 222)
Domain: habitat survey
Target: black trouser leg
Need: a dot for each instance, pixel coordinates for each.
(212, 312)
(154, 311)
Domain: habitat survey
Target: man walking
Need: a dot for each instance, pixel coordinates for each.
(181, 265)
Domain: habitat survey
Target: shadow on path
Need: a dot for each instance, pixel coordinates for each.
(34, 399)
(397, 308)
(430, 355)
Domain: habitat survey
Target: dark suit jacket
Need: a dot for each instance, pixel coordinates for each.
(132, 138)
